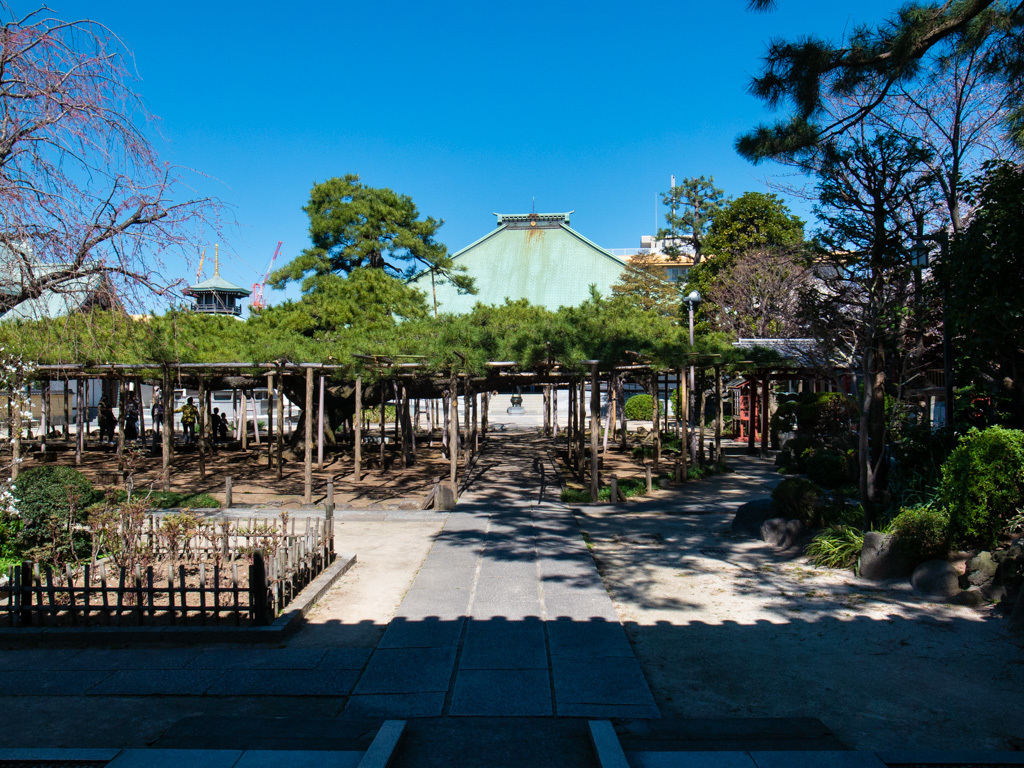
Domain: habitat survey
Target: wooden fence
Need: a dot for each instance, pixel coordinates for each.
(276, 567)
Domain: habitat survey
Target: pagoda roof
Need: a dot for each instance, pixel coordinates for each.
(216, 284)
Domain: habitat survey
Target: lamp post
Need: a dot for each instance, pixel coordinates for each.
(692, 300)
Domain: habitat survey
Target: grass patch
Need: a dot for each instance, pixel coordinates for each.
(173, 500)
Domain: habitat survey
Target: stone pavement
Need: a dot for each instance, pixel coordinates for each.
(507, 616)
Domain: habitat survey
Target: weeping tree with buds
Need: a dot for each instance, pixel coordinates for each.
(84, 198)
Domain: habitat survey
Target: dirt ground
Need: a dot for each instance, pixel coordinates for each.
(253, 483)
(729, 627)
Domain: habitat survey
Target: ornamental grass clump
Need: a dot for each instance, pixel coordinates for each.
(983, 485)
(837, 547)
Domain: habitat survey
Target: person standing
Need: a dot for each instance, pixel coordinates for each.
(189, 416)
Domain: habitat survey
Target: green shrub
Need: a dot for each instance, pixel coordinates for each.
(828, 468)
(795, 452)
(983, 484)
(827, 415)
(838, 546)
(797, 497)
(51, 502)
(639, 408)
(921, 533)
(168, 499)
(784, 418)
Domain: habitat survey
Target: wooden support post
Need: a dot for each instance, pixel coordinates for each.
(270, 419)
(554, 410)
(649, 477)
(620, 396)
(243, 427)
(142, 412)
(581, 449)
(227, 492)
(609, 424)
(656, 415)
(614, 483)
(357, 418)
(453, 431)
(202, 426)
(467, 444)
(66, 431)
(15, 397)
(570, 432)
(547, 410)
(382, 408)
(329, 505)
(766, 395)
(168, 436)
(279, 435)
(401, 435)
(79, 420)
(751, 414)
(476, 432)
(684, 417)
(44, 414)
(719, 420)
(307, 459)
(320, 427)
(122, 408)
(485, 414)
(255, 420)
(595, 428)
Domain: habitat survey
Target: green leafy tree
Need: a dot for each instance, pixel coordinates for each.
(692, 205)
(352, 225)
(985, 307)
(642, 285)
(803, 76)
(869, 191)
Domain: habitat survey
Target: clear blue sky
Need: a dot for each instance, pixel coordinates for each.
(468, 108)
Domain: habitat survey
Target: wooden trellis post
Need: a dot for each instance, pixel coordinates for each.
(381, 409)
(554, 411)
(467, 443)
(547, 410)
(582, 423)
(307, 460)
(270, 419)
(320, 427)
(357, 419)
(453, 430)
(655, 401)
(202, 426)
(595, 426)
(684, 417)
(719, 416)
(485, 414)
(280, 425)
(122, 407)
(168, 437)
(66, 431)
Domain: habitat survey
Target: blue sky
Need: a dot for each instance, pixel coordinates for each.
(468, 108)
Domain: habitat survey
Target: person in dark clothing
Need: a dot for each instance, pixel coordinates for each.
(106, 420)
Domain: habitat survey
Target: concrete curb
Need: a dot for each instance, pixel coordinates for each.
(284, 625)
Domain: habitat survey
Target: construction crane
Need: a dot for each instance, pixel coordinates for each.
(257, 301)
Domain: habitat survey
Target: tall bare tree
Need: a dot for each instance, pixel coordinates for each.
(82, 190)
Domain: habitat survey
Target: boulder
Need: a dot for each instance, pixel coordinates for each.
(773, 531)
(796, 532)
(447, 495)
(750, 516)
(981, 569)
(971, 598)
(936, 578)
(993, 593)
(879, 559)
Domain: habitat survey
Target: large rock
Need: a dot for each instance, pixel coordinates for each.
(879, 559)
(981, 569)
(773, 531)
(972, 598)
(750, 516)
(796, 532)
(936, 578)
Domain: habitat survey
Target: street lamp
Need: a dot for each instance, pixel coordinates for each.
(692, 300)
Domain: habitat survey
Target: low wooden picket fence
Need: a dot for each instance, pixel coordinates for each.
(250, 589)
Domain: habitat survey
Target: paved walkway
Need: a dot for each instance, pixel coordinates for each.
(507, 616)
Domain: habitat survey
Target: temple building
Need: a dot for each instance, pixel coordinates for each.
(533, 256)
(216, 296)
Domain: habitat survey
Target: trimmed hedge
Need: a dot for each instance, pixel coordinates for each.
(640, 408)
(51, 501)
(921, 533)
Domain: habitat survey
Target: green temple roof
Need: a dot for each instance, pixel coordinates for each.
(534, 256)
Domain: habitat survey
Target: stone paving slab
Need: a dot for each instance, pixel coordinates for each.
(258, 658)
(150, 682)
(517, 610)
(49, 683)
(502, 693)
(285, 682)
(512, 648)
(429, 704)
(816, 760)
(403, 633)
(36, 658)
(578, 681)
(646, 759)
(588, 639)
(345, 658)
(144, 658)
(175, 758)
(258, 758)
(407, 670)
